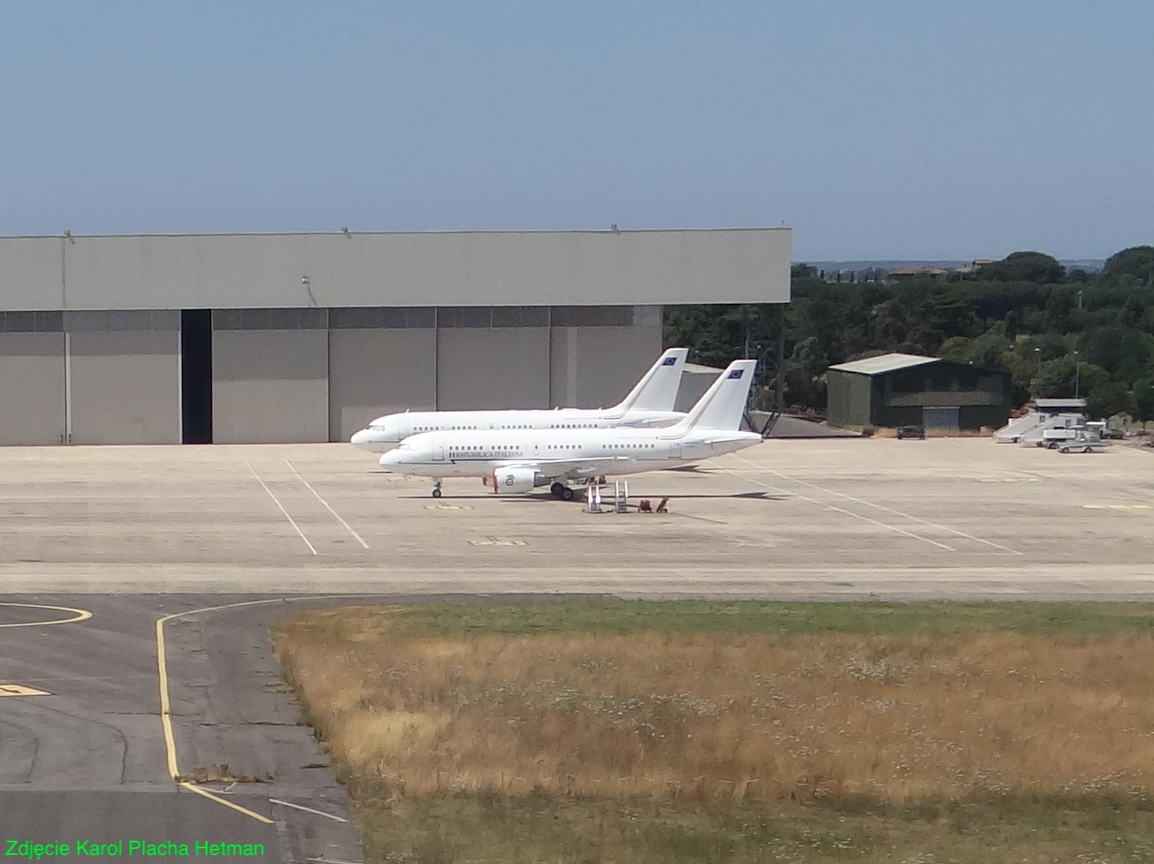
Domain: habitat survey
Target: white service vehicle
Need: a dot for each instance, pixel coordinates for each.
(514, 461)
(1083, 442)
(649, 403)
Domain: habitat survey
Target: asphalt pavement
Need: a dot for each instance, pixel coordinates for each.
(83, 755)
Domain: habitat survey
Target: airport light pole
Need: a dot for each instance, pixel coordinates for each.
(1077, 375)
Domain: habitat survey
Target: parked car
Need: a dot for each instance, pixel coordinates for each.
(911, 431)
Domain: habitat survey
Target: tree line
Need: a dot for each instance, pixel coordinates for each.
(1058, 333)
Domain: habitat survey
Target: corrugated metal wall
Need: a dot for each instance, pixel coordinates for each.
(309, 375)
(380, 362)
(848, 398)
(270, 379)
(124, 377)
(492, 368)
(31, 378)
(490, 268)
(974, 397)
(598, 353)
(95, 368)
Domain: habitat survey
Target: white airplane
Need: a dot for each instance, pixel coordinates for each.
(518, 460)
(649, 403)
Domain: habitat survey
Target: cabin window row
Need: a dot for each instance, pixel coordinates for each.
(471, 449)
(604, 446)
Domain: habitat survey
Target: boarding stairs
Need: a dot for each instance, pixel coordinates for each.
(1013, 431)
(621, 496)
(1054, 428)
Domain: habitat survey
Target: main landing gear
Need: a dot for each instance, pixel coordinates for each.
(436, 488)
(561, 491)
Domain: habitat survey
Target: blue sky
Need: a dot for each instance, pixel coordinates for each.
(903, 129)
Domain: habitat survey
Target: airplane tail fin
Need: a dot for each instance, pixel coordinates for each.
(657, 389)
(722, 406)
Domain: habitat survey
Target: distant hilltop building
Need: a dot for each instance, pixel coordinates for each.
(901, 271)
(901, 274)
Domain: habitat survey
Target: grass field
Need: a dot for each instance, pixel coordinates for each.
(737, 732)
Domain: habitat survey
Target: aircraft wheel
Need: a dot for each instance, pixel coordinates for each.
(437, 493)
(566, 494)
(559, 490)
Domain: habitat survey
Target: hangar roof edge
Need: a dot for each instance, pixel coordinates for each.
(356, 233)
(885, 363)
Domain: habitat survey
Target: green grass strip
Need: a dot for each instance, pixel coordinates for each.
(1073, 620)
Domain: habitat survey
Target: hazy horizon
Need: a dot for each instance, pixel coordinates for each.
(901, 130)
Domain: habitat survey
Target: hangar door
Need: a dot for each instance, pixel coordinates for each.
(944, 419)
(492, 357)
(123, 376)
(31, 378)
(381, 361)
(270, 378)
(599, 352)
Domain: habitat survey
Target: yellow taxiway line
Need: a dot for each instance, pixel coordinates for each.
(166, 704)
(77, 615)
(166, 707)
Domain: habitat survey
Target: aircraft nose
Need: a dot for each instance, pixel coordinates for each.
(388, 460)
(363, 439)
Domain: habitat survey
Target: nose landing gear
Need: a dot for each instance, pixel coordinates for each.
(436, 488)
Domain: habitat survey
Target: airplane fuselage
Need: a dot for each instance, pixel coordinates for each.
(557, 454)
(387, 432)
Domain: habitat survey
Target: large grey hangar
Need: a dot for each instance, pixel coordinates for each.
(264, 338)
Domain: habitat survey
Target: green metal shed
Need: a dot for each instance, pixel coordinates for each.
(908, 389)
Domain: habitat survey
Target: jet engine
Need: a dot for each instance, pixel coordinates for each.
(513, 481)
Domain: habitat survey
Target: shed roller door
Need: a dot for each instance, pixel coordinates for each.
(945, 419)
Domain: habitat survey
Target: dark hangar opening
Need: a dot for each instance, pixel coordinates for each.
(196, 376)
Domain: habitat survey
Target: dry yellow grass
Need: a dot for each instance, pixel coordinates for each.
(733, 716)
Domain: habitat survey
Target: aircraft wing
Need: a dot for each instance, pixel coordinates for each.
(575, 468)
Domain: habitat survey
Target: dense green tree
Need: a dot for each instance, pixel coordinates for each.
(1059, 307)
(805, 374)
(1024, 267)
(1142, 402)
(1021, 315)
(1134, 265)
(1134, 311)
(957, 349)
(1108, 398)
(1067, 377)
(1122, 351)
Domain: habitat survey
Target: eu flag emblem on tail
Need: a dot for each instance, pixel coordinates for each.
(736, 373)
(668, 361)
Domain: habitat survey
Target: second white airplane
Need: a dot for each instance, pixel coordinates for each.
(518, 460)
(649, 403)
